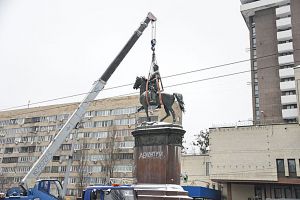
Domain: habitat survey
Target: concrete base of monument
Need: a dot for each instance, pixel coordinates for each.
(157, 153)
(160, 191)
(157, 124)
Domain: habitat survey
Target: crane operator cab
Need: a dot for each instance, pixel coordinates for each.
(46, 189)
(109, 193)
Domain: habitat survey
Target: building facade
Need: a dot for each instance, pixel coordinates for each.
(195, 170)
(101, 146)
(256, 162)
(275, 50)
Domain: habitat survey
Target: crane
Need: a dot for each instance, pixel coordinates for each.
(47, 189)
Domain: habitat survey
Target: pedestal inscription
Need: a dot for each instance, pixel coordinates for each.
(157, 153)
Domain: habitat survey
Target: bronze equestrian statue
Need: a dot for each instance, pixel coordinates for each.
(166, 99)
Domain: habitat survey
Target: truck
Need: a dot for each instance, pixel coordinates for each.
(134, 192)
(51, 189)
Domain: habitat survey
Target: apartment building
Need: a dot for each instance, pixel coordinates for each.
(261, 161)
(274, 29)
(101, 145)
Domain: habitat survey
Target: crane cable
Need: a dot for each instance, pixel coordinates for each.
(153, 63)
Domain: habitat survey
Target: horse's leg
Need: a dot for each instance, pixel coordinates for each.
(173, 115)
(167, 113)
(147, 114)
(140, 108)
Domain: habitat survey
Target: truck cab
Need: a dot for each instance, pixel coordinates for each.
(46, 189)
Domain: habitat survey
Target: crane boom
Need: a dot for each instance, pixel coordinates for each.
(77, 115)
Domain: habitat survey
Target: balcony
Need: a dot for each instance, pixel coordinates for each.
(249, 7)
(284, 60)
(284, 23)
(287, 72)
(288, 99)
(284, 35)
(283, 11)
(289, 113)
(288, 85)
(285, 47)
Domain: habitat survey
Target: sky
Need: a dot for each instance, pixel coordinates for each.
(52, 49)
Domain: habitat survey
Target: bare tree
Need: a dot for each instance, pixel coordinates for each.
(82, 156)
(109, 163)
(202, 141)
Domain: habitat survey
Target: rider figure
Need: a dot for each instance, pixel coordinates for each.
(155, 79)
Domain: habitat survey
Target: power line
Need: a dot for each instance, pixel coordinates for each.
(125, 85)
(136, 93)
(178, 84)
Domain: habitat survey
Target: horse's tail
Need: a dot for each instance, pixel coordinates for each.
(179, 98)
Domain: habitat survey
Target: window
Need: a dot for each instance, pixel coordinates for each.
(292, 167)
(287, 79)
(4, 123)
(101, 134)
(288, 192)
(297, 191)
(122, 133)
(124, 121)
(88, 124)
(286, 66)
(280, 168)
(32, 120)
(28, 149)
(255, 64)
(254, 42)
(292, 106)
(10, 160)
(207, 168)
(54, 169)
(125, 144)
(258, 191)
(122, 168)
(293, 120)
(48, 118)
(254, 53)
(278, 193)
(47, 169)
(10, 140)
(8, 150)
(62, 117)
(89, 114)
(285, 54)
(103, 123)
(253, 31)
(65, 147)
(55, 158)
(286, 93)
(103, 112)
(123, 156)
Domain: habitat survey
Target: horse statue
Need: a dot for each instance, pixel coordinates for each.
(167, 99)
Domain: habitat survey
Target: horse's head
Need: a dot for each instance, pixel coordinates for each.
(137, 83)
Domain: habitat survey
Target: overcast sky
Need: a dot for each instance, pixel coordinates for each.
(51, 49)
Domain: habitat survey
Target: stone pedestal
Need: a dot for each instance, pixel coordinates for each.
(157, 153)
